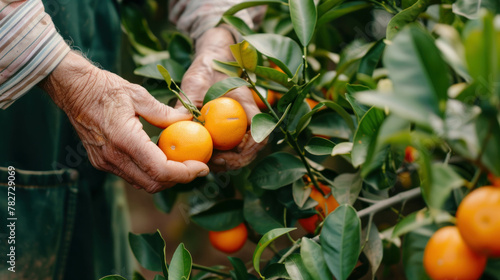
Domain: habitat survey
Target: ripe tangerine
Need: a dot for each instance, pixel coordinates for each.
(186, 140)
(447, 256)
(478, 220)
(226, 121)
(325, 206)
(270, 97)
(229, 241)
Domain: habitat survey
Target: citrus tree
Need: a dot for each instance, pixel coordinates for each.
(368, 107)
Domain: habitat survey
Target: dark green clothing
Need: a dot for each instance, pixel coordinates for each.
(71, 221)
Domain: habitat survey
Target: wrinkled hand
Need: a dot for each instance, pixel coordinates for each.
(105, 110)
(214, 44)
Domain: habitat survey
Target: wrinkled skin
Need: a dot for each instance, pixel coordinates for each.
(104, 110)
(214, 44)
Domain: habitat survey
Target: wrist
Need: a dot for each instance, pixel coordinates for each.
(69, 81)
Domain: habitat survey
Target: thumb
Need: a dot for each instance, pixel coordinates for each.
(157, 113)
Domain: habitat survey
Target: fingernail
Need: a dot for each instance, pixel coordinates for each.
(203, 173)
(219, 161)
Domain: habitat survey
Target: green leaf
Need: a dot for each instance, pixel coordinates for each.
(419, 76)
(180, 48)
(413, 254)
(250, 3)
(303, 14)
(319, 146)
(232, 69)
(340, 241)
(223, 215)
(137, 276)
(262, 125)
(451, 46)
(277, 170)
(419, 219)
(138, 31)
(165, 200)
(239, 24)
(439, 187)
(275, 271)
(113, 277)
(245, 55)
(405, 17)
(358, 108)
(300, 192)
(488, 132)
(296, 268)
(325, 6)
(165, 74)
(274, 75)
(240, 269)
(342, 10)
(151, 70)
(180, 265)
(285, 52)
(222, 87)
(370, 61)
(269, 237)
(373, 249)
(366, 135)
(263, 214)
(346, 187)
(148, 250)
(314, 262)
(344, 148)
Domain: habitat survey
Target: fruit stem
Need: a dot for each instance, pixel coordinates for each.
(252, 85)
(290, 251)
(212, 270)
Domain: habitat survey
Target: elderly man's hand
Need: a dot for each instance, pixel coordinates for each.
(214, 44)
(105, 110)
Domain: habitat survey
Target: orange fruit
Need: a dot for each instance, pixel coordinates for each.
(325, 206)
(478, 219)
(311, 102)
(226, 121)
(410, 154)
(186, 140)
(229, 241)
(447, 256)
(269, 97)
(495, 181)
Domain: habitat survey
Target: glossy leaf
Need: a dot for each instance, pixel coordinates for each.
(419, 219)
(296, 268)
(223, 215)
(372, 58)
(245, 55)
(240, 269)
(275, 271)
(413, 254)
(343, 148)
(300, 192)
(265, 241)
(151, 70)
(239, 24)
(303, 14)
(319, 146)
(285, 52)
(340, 241)
(314, 262)
(222, 87)
(419, 76)
(439, 187)
(263, 125)
(165, 74)
(327, 5)
(180, 48)
(277, 170)
(366, 135)
(373, 248)
(274, 75)
(262, 213)
(180, 265)
(342, 10)
(232, 69)
(250, 3)
(346, 187)
(358, 108)
(148, 250)
(405, 17)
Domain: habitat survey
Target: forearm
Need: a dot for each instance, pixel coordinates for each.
(30, 48)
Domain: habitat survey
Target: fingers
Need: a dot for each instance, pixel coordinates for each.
(155, 112)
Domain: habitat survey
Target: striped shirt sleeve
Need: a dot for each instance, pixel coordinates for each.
(30, 47)
(197, 16)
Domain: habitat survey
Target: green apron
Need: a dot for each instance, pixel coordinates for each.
(69, 220)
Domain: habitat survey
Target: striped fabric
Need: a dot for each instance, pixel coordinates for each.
(30, 47)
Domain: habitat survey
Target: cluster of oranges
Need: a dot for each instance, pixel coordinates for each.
(461, 251)
(326, 204)
(221, 125)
